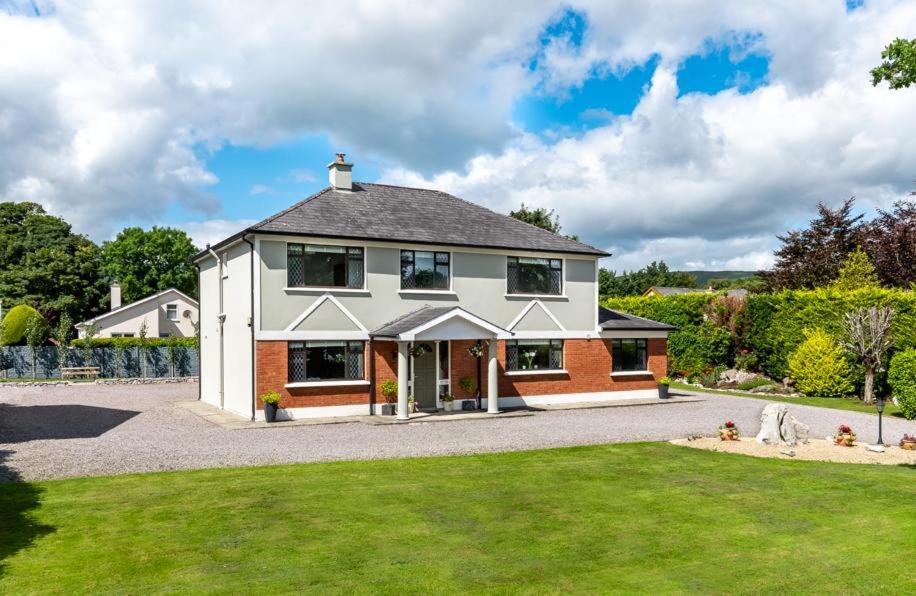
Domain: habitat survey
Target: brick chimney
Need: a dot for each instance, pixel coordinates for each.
(340, 173)
(115, 295)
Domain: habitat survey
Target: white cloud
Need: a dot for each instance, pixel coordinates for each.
(259, 189)
(212, 231)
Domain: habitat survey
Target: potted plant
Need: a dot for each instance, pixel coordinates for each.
(729, 432)
(845, 436)
(908, 442)
(447, 400)
(663, 384)
(389, 391)
(271, 401)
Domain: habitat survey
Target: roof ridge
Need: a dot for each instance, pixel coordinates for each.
(290, 208)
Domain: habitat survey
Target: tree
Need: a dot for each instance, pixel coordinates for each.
(43, 263)
(812, 257)
(857, 273)
(890, 241)
(898, 64)
(89, 333)
(541, 217)
(36, 332)
(634, 283)
(818, 367)
(141, 347)
(145, 262)
(868, 336)
(61, 336)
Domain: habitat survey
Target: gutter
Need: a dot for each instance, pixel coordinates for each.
(254, 385)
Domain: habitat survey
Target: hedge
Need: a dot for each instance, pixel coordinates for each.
(14, 324)
(131, 342)
(902, 378)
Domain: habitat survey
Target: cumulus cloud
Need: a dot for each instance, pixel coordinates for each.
(730, 169)
(212, 231)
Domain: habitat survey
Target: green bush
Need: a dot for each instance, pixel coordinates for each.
(902, 378)
(389, 390)
(15, 322)
(698, 348)
(819, 367)
(753, 383)
(132, 342)
(271, 397)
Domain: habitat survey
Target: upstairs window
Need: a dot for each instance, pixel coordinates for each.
(171, 312)
(326, 361)
(629, 354)
(312, 265)
(534, 354)
(425, 270)
(526, 275)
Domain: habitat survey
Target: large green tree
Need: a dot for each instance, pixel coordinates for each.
(148, 261)
(898, 64)
(44, 264)
(539, 217)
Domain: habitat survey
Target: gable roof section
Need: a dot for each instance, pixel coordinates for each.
(326, 314)
(136, 303)
(425, 317)
(536, 317)
(614, 320)
(397, 213)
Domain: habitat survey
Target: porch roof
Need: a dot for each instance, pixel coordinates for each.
(452, 322)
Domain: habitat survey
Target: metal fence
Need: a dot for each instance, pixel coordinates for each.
(16, 362)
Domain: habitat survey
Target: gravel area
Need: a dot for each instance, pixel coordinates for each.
(814, 450)
(59, 432)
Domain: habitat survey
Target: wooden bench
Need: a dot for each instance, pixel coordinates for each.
(89, 372)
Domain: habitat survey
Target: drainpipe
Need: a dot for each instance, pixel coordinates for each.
(222, 320)
(254, 386)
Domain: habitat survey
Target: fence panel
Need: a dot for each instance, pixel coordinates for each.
(16, 362)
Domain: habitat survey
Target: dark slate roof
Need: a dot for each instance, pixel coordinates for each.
(382, 212)
(414, 319)
(668, 291)
(612, 319)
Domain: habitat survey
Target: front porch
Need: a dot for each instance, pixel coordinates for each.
(428, 341)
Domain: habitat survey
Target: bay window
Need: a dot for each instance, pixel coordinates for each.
(629, 355)
(534, 354)
(528, 275)
(326, 361)
(325, 266)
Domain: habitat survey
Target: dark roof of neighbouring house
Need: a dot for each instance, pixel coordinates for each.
(612, 319)
(415, 318)
(669, 291)
(397, 213)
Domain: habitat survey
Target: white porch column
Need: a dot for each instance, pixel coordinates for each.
(403, 414)
(492, 381)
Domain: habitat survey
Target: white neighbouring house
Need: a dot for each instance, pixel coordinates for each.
(169, 313)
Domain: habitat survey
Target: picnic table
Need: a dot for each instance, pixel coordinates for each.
(79, 371)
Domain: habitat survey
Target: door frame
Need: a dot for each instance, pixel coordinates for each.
(411, 385)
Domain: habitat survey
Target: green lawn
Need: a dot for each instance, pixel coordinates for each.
(852, 404)
(646, 517)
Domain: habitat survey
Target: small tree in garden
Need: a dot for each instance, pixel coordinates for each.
(819, 368)
(389, 390)
(89, 334)
(856, 273)
(62, 337)
(36, 332)
(141, 347)
(868, 336)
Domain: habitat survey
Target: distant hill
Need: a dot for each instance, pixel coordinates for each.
(703, 277)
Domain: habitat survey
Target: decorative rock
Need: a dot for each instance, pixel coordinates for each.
(876, 448)
(777, 427)
(763, 389)
(788, 452)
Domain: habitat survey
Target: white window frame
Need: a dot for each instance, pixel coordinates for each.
(451, 276)
(170, 306)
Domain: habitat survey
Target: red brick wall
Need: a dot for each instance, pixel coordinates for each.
(587, 362)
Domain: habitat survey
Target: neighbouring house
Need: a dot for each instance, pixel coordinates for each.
(169, 313)
(669, 291)
(362, 283)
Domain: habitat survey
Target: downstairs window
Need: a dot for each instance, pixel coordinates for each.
(534, 354)
(326, 361)
(629, 354)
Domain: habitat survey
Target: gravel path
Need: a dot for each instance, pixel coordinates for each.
(89, 430)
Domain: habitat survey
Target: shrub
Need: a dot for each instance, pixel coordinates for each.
(698, 348)
(468, 385)
(746, 360)
(819, 367)
(752, 383)
(271, 397)
(902, 378)
(389, 390)
(664, 381)
(132, 342)
(15, 322)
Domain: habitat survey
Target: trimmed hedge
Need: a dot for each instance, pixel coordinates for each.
(14, 324)
(902, 378)
(132, 342)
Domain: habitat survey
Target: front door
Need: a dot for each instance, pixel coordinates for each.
(424, 376)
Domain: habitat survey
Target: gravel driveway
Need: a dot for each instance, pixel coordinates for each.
(87, 430)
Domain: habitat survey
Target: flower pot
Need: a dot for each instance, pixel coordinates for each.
(662, 392)
(388, 409)
(909, 445)
(845, 440)
(447, 406)
(728, 435)
(270, 412)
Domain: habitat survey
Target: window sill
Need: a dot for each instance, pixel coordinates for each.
(421, 292)
(632, 373)
(315, 290)
(326, 383)
(520, 373)
(537, 296)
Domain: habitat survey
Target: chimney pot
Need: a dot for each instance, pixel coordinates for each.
(340, 173)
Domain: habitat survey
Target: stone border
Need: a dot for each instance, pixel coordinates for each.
(126, 381)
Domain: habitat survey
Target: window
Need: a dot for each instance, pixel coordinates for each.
(164, 335)
(122, 334)
(171, 312)
(326, 361)
(534, 276)
(534, 354)
(628, 354)
(324, 266)
(424, 270)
